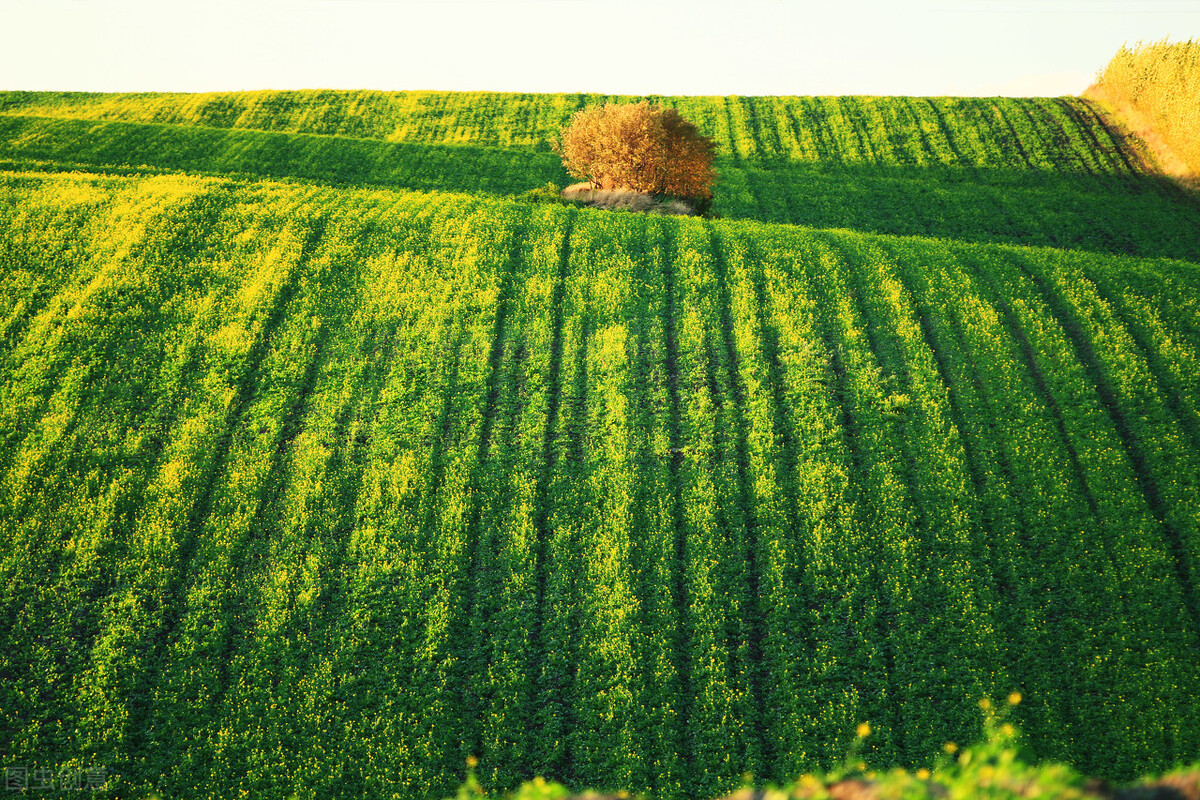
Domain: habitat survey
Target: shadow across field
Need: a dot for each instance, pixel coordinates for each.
(1130, 213)
(1142, 215)
(64, 144)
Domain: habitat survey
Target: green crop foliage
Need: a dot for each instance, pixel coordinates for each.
(328, 463)
(1037, 172)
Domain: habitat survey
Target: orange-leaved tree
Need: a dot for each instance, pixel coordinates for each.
(641, 147)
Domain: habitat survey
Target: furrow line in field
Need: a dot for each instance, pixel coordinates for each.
(175, 592)
(843, 397)
(1076, 112)
(1069, 140)
(57, 577)
(1030, 360)
(781, 417)
(939, 544)
(442, 429)
(470, 707)
(748, 548)
(973, 409)
(271, 591)
(652, 532)
(957, 415)
(178, 250)
(1183, 411)
(1112, 593)
(761, 131)
(850, 110)
(546, 695)
(939, 117)
(735, 152)
(1143, 471)
(274, 486)
(353, 430)
(785, 618)
(1014, 138)
(1040, 524)
(1070, 134)
(1119, 142)
(333, 322)
(814, 123)
(680, 599)
(568, 564)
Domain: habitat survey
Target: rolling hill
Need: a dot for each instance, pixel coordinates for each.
(325, 463)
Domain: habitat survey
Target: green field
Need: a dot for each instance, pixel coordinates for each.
(325, 464)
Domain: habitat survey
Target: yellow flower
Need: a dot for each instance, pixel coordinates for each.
(472, 762)
(864, 730)
(950, 747)
(923, 774)
(1014, 698)
(1008, 729)
(985, 704)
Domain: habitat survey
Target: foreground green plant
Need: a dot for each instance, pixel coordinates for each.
(550, 193)
(998, 767)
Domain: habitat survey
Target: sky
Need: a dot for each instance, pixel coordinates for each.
(638, 47)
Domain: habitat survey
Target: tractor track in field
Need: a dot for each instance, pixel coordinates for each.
(680, 599)
(468, 699)
(842, 396)
(748, 541)
(1085, 352)
(545, 694)
(174, 601)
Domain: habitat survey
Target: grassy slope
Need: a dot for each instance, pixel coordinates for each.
(1042, 172)
(322, 488)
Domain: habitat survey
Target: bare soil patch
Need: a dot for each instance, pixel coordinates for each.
(628, 200)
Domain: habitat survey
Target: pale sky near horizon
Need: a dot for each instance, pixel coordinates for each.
(665, 47)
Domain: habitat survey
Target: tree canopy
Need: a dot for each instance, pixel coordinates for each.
(641, 147)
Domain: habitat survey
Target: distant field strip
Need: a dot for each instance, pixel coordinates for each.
(67, 144)
(330, 488)
(1108, 209)
(996, 133)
